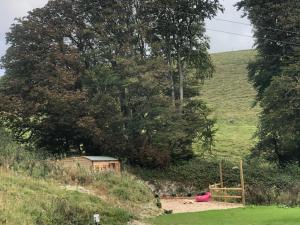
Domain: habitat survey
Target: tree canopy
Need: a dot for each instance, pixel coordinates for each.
(275, 74)
(115, 77)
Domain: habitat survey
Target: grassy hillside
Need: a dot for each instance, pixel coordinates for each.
(231, 97)
(35, 190)
(35, 201)
(25, 200)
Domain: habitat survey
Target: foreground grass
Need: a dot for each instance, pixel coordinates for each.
(231, 98)
(31, 201)
(243, 216)
(35, 190)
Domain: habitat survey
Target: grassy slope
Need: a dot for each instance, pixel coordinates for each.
(244, 216)
(24, 200)
(34, 191)
(231, 97)
(32, 201)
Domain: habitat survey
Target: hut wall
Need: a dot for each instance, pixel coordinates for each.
(77, 162)
(107, 166)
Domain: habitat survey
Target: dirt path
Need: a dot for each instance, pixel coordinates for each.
(84, 190)
(135, 222)
(188, 205)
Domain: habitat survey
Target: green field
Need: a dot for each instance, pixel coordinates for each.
(243, 216)
(231, 97)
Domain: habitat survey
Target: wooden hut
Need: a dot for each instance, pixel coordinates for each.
(93, 163)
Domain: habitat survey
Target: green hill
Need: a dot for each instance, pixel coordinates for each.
(231, 97)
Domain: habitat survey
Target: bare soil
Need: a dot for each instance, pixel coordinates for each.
(188, 205)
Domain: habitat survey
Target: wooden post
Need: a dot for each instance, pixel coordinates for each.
(242, 182)
(221, 175)
(223, 192)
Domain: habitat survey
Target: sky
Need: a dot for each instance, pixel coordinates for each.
(219, 42)
(223, 42)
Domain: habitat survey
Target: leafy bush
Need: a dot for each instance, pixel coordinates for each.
(265, 183)
(66, 211)
(25, 159)
(268, 184)
(186, 177)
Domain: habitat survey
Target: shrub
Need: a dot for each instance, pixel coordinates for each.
(265, 183)
(186, 177)
(268, 184)
(64, 210)
(128, 187)
(158, 203)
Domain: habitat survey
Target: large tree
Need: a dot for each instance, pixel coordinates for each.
(91, 77)
(179, 34)
(275, 74)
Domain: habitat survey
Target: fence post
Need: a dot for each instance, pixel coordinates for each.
(221, 179)
(242, 182)
(221, 174)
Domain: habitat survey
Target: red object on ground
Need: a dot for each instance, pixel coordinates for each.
(203, 198)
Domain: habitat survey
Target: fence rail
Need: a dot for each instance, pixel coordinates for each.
(227, 196)
(226, 189)
(219, 191)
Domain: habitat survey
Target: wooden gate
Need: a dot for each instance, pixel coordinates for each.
(220, 192)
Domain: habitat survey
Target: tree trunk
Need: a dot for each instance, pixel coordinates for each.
(172, 90)
(122, 92)
(181, 78)
(171, 78)
(122, 98)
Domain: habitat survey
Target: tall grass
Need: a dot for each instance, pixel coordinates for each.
(29, 176)
(24, 200)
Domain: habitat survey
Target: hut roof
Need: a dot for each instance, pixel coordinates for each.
(100, 158)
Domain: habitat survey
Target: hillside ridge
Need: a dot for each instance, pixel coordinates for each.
(231, 97)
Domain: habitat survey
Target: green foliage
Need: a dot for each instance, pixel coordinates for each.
(268, 184)
(125, 187)
(275, 74)
(195, 175)
(265, 183)
(179, 34)
(64, 211)
(24, 159)
(98, 79)
(246, 216)
(279, 122)
(280, 28)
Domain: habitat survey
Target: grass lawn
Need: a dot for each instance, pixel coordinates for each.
(243, 216)
(231, 97)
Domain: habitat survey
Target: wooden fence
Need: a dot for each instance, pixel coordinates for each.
(220, 192)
